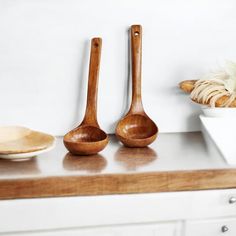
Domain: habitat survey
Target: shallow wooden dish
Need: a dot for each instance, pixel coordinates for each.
(17, 139)
(26, 155)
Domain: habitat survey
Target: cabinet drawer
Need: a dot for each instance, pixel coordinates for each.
(213, 204)
(219, 227)
(164, 229)
(76, 212)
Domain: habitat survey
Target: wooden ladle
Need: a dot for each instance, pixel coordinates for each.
(136, 129)
(88, 138)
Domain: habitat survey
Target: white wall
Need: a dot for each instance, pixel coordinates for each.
(44, 49)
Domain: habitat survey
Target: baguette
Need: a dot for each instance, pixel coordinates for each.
(188, 86)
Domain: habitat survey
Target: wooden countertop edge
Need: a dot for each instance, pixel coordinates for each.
(90, 185)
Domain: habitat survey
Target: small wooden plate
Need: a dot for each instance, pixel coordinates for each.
(26, 155)
(18, 140)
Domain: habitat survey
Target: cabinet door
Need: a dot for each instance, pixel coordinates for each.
(69, 232)
(217, 227)
(164, 229)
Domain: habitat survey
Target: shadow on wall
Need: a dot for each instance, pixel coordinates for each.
(186, 72)
(128, 75)
(82, 83)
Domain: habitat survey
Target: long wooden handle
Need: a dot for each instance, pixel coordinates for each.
(90, 117)
(136, 51)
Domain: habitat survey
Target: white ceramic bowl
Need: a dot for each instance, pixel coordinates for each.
(219, 111)
(222, 131)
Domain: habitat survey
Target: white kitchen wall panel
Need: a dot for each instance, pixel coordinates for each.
(44, 56)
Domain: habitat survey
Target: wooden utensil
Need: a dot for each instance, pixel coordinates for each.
(20, 141)
(136, 129)
(88, 138)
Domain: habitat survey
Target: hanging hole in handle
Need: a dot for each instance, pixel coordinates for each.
(136, 33)
(96, 45)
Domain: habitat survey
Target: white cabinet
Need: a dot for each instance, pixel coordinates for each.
(151, 230)
(219, 227)
(192, 213)
(162, 229)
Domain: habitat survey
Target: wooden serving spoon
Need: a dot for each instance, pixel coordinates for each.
(88, 138)
(136, 129)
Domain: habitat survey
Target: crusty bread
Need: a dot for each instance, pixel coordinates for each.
(188, 86)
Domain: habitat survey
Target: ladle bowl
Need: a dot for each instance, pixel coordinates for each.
(85, 140)
(136, 129)
(88, 138)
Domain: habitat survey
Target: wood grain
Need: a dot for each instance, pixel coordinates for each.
(118, 184)
(17, 139)
(136, 129)
(88, 138)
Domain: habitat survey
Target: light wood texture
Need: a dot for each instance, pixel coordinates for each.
(16, 140)
(136, 129)
(188, 86)
(176, 162)
(88, 138)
